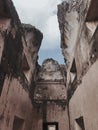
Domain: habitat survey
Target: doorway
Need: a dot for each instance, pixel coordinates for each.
(50, 126)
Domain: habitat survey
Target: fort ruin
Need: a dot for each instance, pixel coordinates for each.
(51, 96)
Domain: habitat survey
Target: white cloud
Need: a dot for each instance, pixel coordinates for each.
(40, 13)
(51, 34)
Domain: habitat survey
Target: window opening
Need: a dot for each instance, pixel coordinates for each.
(18, 123)
(80, 124)
(50, 126)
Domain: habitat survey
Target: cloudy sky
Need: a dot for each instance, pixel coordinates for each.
(43, 15)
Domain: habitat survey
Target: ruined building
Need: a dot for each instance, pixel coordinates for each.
(51, 96)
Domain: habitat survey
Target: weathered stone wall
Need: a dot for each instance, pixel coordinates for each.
(50, 96)
(78, 21)
(31, 95)
(75, 36)
(50, 91)
(51, 71)
(15, 102)
(50, 110)
(55, 113)
(19, 45)
(84, 102)
(31, 45)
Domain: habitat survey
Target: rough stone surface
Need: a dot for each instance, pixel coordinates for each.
(50, 95)
(33, 96)
(78, 22)
(19, 47)
(31, 45)
(50, 91)
(14, 102)
(71, 16)
(84, 102)
(50, 70)
(76, 37)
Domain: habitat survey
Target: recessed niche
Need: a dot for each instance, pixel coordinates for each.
(18, 123)
(79, 124)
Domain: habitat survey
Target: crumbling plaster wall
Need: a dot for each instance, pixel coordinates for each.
(52, 112)
(51, 71)
(16, 41)
(84, 101)
(55, 113)
(15, 101)
(49, 90)
(82, 88)
(31, 45)
(50, 97)
(71, 17)
(77, 33)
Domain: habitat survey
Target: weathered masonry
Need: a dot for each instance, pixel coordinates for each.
(19, 45)
(78, 22)
(51, 96)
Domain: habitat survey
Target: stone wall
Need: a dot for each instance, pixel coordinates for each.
(15, 106)
(50, 105)
(75, 36)
(31, 45)
(34, 96)
(84, 102)
(78, 22)
(19, 46)
(50, 97)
